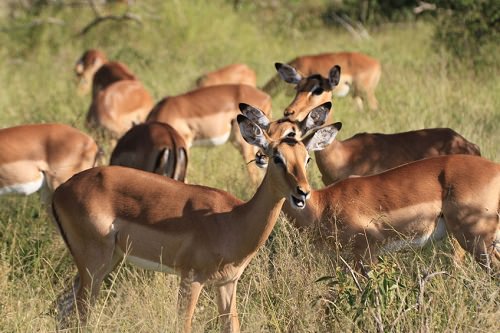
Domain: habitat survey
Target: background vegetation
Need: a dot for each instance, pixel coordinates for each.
(290, 286)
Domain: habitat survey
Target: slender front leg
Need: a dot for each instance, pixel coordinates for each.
(189, 291)
(226, 302)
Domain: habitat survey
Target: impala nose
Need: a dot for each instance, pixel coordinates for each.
(302, 192)
(289, 112)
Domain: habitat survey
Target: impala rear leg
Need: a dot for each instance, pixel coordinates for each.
(94, 264)
(189, 292)
(226, 303)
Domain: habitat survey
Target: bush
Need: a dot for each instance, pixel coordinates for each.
(468, 29)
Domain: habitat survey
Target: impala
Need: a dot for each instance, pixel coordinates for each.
(368, 153)
(360, 74)
(231, 74)
(119, 100)
(154, 147)
(42, 156)
(94, 69)
(110, 214)
(410, 205)
(206, 116)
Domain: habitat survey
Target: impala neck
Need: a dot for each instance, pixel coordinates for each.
(254, 220)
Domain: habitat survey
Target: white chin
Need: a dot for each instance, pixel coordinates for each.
(297, 203)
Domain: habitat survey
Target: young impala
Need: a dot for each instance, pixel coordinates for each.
(154, 147)
(203, 234)
(231, 74)
(119, 100)
(207, 116)
(360, 75)
(410, 205)
(42, 156)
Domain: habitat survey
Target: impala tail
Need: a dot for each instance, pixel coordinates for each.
(171, 163)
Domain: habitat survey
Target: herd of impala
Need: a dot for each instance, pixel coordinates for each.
(384, 191)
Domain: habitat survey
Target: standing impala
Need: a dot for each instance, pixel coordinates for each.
(367, 153)
(32, 156)
(119, 100)
(231, 74)
(207, 116)
(154, 147)
(360, 75)
(203, 234)
(410, 205)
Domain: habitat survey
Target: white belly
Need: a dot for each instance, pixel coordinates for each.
(215, 141)
(436, 234)
(145, 264)
(23, 188)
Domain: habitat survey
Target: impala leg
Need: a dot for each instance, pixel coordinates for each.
(189, 292)
(458, 251)
(226, 302)
(93, 266)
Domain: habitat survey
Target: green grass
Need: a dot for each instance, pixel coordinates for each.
(279, 292)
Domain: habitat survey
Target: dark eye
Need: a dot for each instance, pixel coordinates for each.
(278, 160)
(318, 91)
(308, 160)
(291, 135)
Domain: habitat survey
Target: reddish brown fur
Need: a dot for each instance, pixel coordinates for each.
(154, 147)
(231, 74)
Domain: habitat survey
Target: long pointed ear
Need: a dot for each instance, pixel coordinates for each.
(334, 76)
(288, 73)
(252, 133)
(255, 115)
(316, 118)
(320, 138)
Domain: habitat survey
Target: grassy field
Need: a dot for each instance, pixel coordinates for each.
(290, 286)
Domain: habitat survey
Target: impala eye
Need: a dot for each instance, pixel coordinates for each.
(308, 160)
(291, 134)
(318, 91)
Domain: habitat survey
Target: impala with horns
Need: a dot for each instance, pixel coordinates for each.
(205, 235)
(231, 74)
(360, 75)
(207, 116)
(42, 156)
(154, 147)
(407, 206)
(119, 100)
(367, 153)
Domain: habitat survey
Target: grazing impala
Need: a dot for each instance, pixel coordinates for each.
(409, 205)
(119, 100)
(94, 69)
(368, 153)
(154, 147)
(231, 74)
(203, 234)
(42, 156)
(206, 116)
(360, 74)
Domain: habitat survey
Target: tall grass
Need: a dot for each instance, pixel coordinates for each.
(291, 286)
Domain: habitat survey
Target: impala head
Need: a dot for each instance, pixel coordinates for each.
(86, 67)
(311, 91)
(286, 127)
(288, 156)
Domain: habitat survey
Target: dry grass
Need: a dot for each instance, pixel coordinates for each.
(280, 291)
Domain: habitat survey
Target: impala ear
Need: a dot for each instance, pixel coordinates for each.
(316, 118)
(255, 115)
(334, 76)
(252, 133)
(288, 73)
(319, 139)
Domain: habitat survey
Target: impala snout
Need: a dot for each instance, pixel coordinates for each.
(261, 160)
(298, 199)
